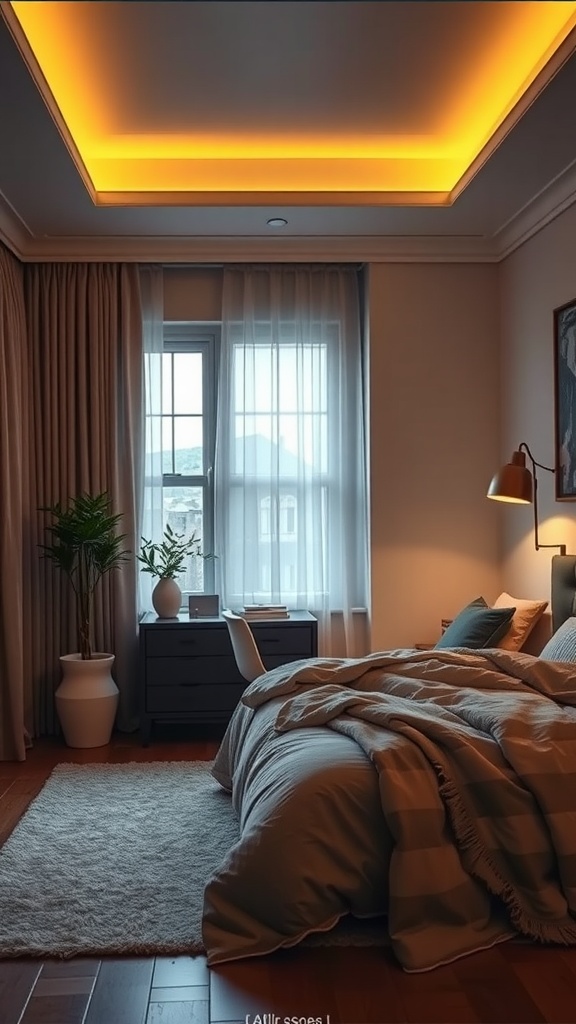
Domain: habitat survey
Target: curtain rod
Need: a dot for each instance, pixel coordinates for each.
(220, 266)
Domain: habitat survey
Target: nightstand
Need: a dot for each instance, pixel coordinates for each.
(188, 672)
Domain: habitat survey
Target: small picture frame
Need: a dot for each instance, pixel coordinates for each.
(204, 606)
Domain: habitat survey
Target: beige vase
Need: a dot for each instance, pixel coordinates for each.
(167, 599)
(87, 699)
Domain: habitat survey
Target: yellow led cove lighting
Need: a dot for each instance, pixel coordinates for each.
(257, 168)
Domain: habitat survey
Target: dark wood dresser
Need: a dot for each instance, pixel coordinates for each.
(188, 671)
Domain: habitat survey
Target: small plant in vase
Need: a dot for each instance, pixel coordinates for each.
(167, 560)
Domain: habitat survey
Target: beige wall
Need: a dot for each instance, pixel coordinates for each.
(434, 397)
(193, 294)
(535, 279)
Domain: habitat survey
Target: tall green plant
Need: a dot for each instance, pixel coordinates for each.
(85, 545)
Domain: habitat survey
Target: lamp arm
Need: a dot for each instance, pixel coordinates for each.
(537, 545)
(533, 460)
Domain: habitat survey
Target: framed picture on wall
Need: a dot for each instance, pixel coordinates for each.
(565, 401)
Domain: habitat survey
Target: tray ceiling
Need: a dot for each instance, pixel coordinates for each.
(183, 128)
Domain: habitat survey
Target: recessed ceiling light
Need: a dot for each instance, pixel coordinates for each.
(276, 222)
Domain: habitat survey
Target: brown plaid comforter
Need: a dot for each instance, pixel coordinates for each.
(476, 755)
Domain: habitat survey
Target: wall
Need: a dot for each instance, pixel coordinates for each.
(193, 294)
(535, 279)
(434, 443)
(434, 416)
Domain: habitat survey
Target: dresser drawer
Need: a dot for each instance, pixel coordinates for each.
(296, 640)
(193, 699)
(213, 671)
(186, 641)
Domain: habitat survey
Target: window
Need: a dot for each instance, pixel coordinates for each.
(188, 437)
(279, 483)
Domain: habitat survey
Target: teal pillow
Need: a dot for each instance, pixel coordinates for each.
(477, 626)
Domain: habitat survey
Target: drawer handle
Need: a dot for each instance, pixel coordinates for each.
(192, 682)
(187, 643)
(269, 640)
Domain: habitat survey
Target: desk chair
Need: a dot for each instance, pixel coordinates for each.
(244, 646)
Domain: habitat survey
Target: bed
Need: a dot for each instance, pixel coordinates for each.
(434, 791)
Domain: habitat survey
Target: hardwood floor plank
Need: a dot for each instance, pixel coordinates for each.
(241, 988)
(80, 967)
(551, 989)
(17, 979)
(494, 990)
(15, 800)
(180, 970)
(435, 997)
(121, 992)
(568, 954)
(367, 989)
(179, 1013)
(303, 985)
(65, 1008)
(63, 986)
(180, 994)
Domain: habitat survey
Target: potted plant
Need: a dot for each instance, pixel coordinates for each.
(166, 560)
(85, 545)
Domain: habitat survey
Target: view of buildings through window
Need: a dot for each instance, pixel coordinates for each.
(279, 428)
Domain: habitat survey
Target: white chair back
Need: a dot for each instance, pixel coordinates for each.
(245, 649)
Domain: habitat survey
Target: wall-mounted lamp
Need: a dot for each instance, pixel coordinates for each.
(514, 482)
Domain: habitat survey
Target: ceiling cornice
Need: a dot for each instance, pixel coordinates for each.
(13, 232)
(545, 207)
(249, 248)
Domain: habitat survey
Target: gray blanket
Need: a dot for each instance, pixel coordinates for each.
(477, 787)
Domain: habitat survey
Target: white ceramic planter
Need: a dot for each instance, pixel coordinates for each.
(87, 699)
(167, 599)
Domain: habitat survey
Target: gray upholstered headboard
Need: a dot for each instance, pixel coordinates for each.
(563, 589)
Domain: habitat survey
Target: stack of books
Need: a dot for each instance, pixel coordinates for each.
(264, 611)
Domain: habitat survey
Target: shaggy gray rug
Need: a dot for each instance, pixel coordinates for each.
(113, 859)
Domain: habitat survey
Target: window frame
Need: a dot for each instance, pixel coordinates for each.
(187, 336)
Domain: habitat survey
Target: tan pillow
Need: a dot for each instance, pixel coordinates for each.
(523, 621)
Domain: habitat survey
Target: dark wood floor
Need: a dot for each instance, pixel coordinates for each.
(331, 985)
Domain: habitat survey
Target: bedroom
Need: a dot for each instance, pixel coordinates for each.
(474, 338)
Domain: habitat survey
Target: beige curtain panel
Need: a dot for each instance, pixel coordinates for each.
(15, 698)
(84, 412)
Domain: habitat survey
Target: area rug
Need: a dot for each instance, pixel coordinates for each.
(113, 860)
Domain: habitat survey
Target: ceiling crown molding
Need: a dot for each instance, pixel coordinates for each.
(13, 232)
(553, 200)
(250, 248)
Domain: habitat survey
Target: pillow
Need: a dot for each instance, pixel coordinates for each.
(562, 645)
(523, 621)
(477, 626)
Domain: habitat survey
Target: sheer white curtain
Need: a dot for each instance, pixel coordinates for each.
(152, 292)
(290, 466)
